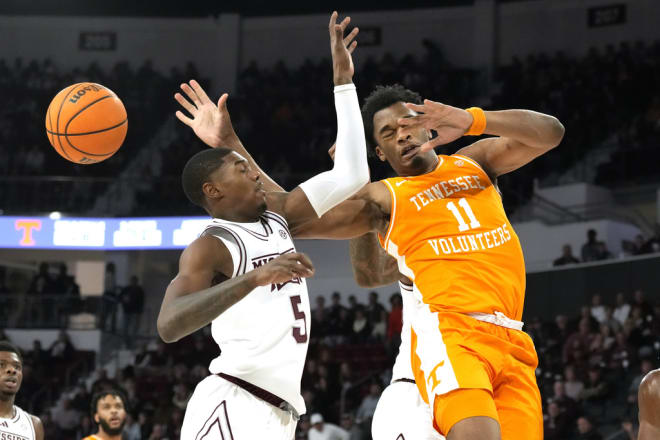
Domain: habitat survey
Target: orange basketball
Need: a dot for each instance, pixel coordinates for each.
(86, 123)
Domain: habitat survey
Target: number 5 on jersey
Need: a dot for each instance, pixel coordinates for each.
(298, 333)
(462, 226)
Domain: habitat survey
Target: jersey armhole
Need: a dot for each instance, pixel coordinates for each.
(385, 241)
(234, 245)
(476, 164)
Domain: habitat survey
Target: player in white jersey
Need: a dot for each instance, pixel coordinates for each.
(15, 424)
(401, 414)
(244, 276)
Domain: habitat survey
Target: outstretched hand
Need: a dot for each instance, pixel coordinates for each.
(285, 268)
(450, 123)
(341, 48)
(210, 122)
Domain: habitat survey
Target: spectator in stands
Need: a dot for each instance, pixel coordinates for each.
(622, 353)
(567, 257)
(62, 349)
(80, 399)
(642, 303)
(645, 367)
(374, 308)
(360, 329)
(622, 309)
(64, 284)
(160, 358)
(325, 431)
(37, 356)
(131, 298)
(42, 283)
(586, 429)
(596, 388)
(556, 425)
(628, 431)
(567, 405)
(573, 386)
(577, 345)
(181, 395)
(348, 424)
(368, 406)
(590, 250)
(132, 427)
(611, 321)
(652, 245)
(85, 427)
(66, 418)
(394, 324)
(597, 309)
(102, 381)
(109, 299)
(603, 252)
(337, 316)
(638, 246)
(379, 329)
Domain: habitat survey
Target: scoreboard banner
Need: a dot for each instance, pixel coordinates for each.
(99, 233)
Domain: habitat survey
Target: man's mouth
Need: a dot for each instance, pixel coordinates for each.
(11, 382)
(409, 151)
(115, 420)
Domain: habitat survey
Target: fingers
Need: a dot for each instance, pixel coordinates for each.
(431, 144)
(222, 102)
(333, 21)
(304, 265)
(416, 107)
(352, 47)
(183, 118)
(412, 121)
(190, 93)
(199, 91)
(185, 103)
(351, 36)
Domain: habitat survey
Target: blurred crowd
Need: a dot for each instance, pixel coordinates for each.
(285, 116)
(590, 366)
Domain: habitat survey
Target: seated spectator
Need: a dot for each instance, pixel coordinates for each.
(320, 430)
(42, 283)
(319, 318)
(62, 349)
(66, 418)
(610, 321)
(645, 367)
(652, 245)
(573, 385)
(641, 301)
(577, 345)
(360, 329)
(567, 257)
(622, 309)
(394, 324)
(132, 429)
(586, 429)
(65, 284)
(379, 329)
(348, 424)
(590, 250)
(368, 406)
(567, 405)
(374, 308)
(131, 298)
(556, 425)
(622, 353)
(597, 309)
(596, 388)
(638, 246)
(181, 396)
(603, 252)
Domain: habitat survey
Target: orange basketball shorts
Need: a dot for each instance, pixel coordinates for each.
(452, 352)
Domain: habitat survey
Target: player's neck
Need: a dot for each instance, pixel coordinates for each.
(7, 410)
(104, 436)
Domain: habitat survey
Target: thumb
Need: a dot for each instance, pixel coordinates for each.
(222, 102)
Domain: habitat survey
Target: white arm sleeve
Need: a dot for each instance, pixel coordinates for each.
(351, 171)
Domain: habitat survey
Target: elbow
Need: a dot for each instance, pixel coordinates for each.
(166, 330)
(557, 131)
(363, 281)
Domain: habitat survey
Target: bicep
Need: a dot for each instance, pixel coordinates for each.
(38, 427)
(349, 219)
(500, 155)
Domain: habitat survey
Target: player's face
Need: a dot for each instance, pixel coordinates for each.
(241, 186)
(11, 373)
(110, 414)
(401, 149)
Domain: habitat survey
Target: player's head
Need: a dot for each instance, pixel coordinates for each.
(380, 113)
(108, 410)
(11, 369)
(222, 182)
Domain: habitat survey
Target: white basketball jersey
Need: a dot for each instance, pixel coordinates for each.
(264, 337)
(17, 428)
(402, 368)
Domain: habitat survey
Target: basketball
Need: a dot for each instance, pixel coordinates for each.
(86, 123)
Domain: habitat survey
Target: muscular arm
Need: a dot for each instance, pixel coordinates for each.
(524, 135)
(38, 427)
(372, 267)
(649, 406)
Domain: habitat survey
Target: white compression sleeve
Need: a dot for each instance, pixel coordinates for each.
(351, 170)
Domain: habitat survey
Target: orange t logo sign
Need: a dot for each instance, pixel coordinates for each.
(27, 226)
(433, 378)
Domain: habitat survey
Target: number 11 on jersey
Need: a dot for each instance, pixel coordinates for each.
(462, 225)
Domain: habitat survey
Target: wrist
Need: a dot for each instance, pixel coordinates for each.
(341, 80)
(254, 279)
(478, 125)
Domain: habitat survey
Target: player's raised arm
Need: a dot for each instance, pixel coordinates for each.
(212, 124)
(322, 192)
(193, 301)
(523, 135)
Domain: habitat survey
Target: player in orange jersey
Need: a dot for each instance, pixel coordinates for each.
(649, 406)
(444, 223)
(108, 410)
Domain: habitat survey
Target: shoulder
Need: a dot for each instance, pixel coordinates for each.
(38, 427)
(206, 251)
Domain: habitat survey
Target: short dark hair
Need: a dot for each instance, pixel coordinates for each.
(197, 171)
(101, 394)
(382, 97)
(8, 346)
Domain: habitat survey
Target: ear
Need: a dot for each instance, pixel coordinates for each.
(380, 153)
(212, 191)
(96, 419)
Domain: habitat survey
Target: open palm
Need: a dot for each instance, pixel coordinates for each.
(210, 122)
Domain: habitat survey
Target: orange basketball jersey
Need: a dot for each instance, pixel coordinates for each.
(450, 235)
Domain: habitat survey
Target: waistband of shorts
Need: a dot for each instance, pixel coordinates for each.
(403, 379)
(498, 318)
(262, 394)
